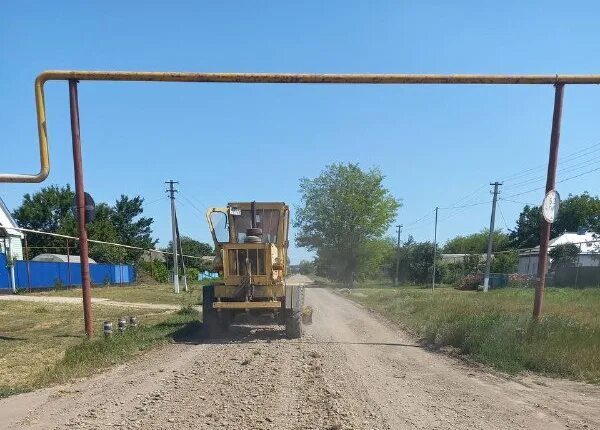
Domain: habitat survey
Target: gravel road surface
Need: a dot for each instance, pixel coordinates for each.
(352, 370)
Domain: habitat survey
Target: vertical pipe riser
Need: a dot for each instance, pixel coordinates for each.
(80, 199)
(550, 183)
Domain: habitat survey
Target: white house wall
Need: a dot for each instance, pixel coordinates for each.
(14, 245)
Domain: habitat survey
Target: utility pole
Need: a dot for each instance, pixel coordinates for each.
(488, 261)
(434, 248)
(398, 255)
(174, 241)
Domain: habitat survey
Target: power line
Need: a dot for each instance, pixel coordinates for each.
(467, 206)
(565, 159)
(192, 204)
(558, 182)
(64, 236)
(163, 198)
(518, 202)
(503, 219)
(568, 169)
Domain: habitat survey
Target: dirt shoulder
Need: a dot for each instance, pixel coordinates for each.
(95, 300)
(352, 370)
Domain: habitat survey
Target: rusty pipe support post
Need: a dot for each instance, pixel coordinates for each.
(28, 266)
(80, 200)
(550, 183)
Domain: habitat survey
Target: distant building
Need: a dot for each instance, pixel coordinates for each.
(460, 258)
(589, 251)
(153, 255)
(59, 258)
(10, 239)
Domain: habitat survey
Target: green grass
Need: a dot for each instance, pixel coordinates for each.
(496, 329)
(42, 344)
(90, 356)
(138, 293)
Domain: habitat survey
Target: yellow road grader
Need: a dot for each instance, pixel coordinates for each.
(251, 242)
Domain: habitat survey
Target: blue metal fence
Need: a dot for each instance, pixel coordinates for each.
(45, 274)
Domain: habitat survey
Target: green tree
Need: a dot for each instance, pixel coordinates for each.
(306, 267)
(505, 262)
(476, 243)
(193, 247)
(378, 258)
(420, 262)
(132, 228)
(343, 210)
(49, 210)
(46, 210)
(575, 211)
(564, 255)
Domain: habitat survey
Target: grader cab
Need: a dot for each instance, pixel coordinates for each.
(251, 242)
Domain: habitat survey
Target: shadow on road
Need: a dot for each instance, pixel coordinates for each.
(194, 334)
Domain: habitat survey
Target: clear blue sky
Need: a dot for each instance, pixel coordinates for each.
(435, 144)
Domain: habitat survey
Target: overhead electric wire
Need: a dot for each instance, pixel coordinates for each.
(566, 167)
(558, 182)
(144, 204)
(516, 201)
(64, 236)
(569, 169)
(502, 216)
(566, 159)
(192, 204)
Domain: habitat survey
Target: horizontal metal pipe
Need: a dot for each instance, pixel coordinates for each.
(306, 78)
(263, 78)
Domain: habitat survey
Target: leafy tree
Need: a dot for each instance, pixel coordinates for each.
(132, 229)
(49, 210)
(306, 267)
(420, 262)
(564, 255)
(527, 232)
(193, 247)
(476, 243)
(505, 262)
(575, 211)
(343, 210)
(378, 258)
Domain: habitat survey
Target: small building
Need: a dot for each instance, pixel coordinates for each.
(460, 258)
(153, 255)
(11, 240)
(589, 251)
(59, 258)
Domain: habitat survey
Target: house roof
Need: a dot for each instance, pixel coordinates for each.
(588, 242)
(7, 221)
(59, 258)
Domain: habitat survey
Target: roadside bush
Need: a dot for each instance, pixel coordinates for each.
(156, 269)
(192, 274)
(470, 282)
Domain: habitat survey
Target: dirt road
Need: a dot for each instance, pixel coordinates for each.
(351, 370)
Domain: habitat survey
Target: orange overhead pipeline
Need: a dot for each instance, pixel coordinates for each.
(263, 78)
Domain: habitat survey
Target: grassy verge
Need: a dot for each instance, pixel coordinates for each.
(42, 344)
(139, 293)
(496, 328)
